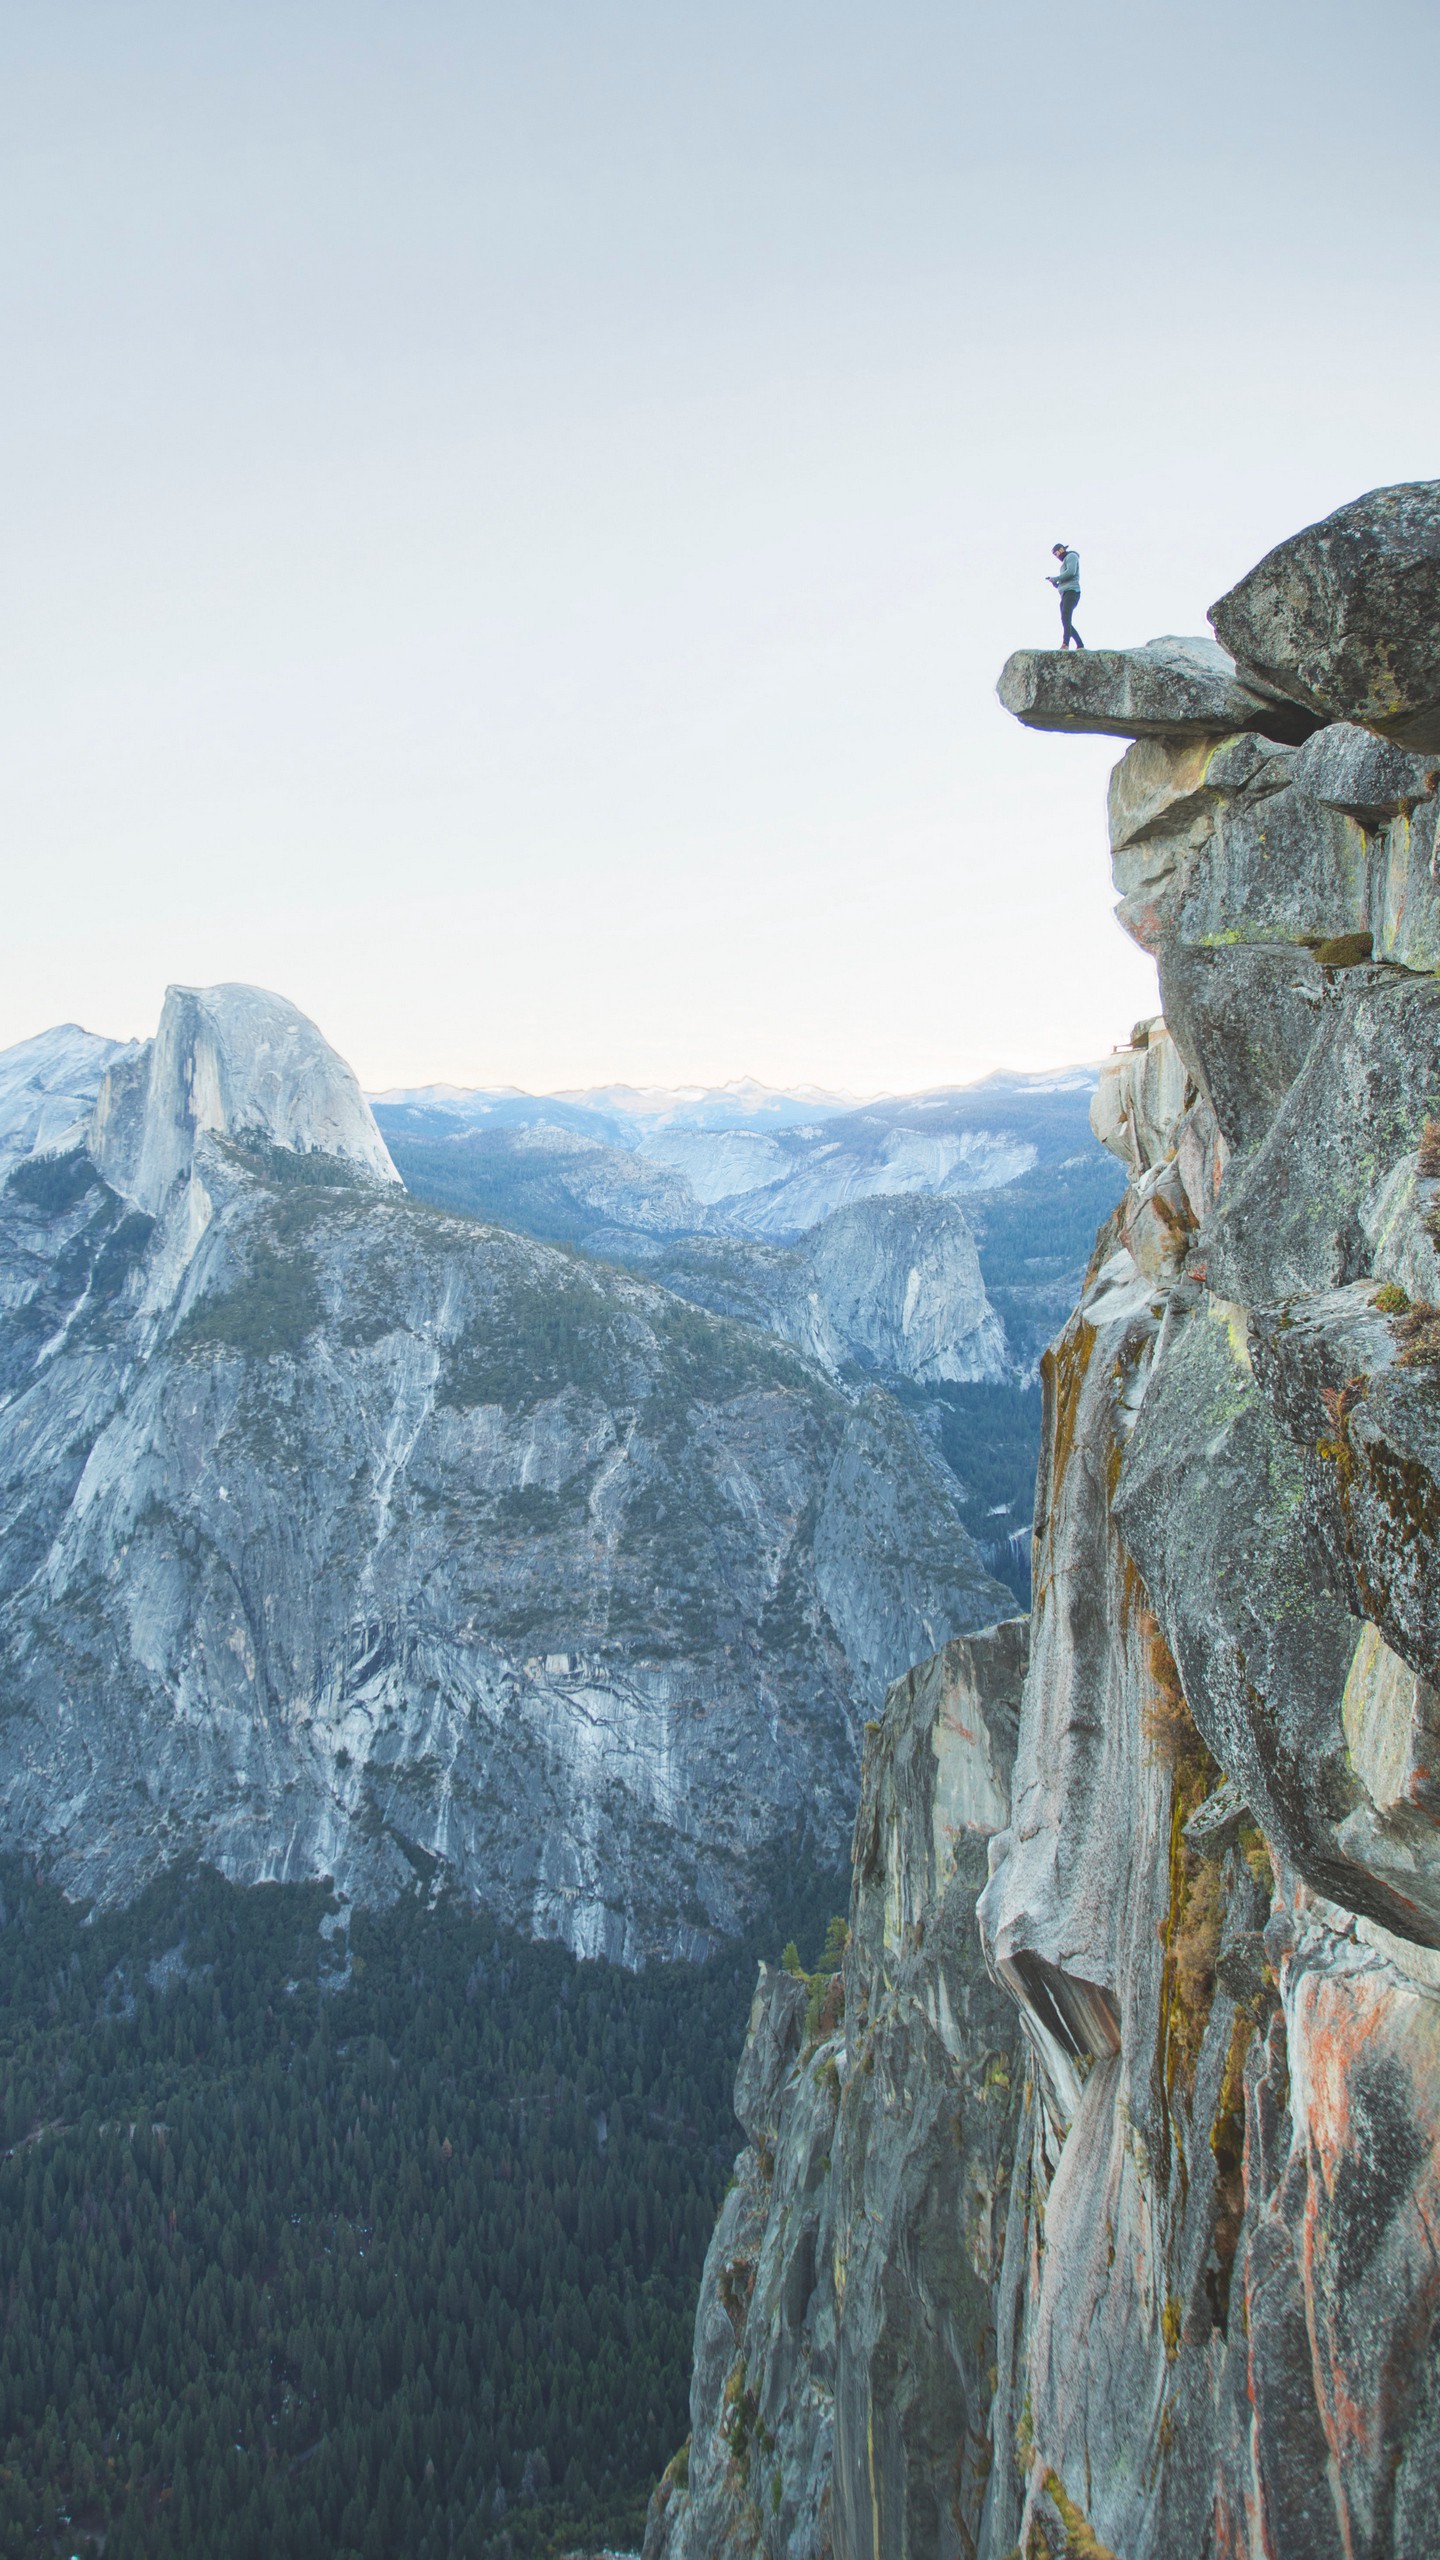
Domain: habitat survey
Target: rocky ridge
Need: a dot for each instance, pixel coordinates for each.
(340, 1536)
(1215, 1901)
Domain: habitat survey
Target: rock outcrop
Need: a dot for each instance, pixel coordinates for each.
(1177, 687)
(1216, 1900)
(340, 1536)
(1345, 617)
(227, 1062)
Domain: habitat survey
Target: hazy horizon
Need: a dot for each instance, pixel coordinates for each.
(674, 1088)
(799, 1090)
(512, 520)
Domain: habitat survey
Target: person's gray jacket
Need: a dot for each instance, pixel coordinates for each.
(1068, 581)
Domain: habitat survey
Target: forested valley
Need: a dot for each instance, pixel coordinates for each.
(327, 2237)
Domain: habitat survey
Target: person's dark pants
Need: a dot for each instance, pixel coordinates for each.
(1069, 598)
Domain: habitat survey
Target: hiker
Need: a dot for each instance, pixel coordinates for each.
(1068, 585)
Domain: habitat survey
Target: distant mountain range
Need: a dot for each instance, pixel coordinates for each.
(345, 1535)
(732, 1160)
(741, 1103)
(931, 1242)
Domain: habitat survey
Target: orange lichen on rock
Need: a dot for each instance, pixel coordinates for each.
(1190, 1931)
(1365, 2049)
(1063, 1368)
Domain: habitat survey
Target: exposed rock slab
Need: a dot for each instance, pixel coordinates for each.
(1368, 1427)
(1303, 1212)
(228, 1062)
(928, 2112)
(1172, 688)
(1263, 1640)
(1258, 895)
(758, 2475)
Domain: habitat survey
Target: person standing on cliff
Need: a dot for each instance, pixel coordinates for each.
(1068, 585)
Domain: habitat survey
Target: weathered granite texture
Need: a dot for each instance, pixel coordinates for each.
(1219, 1897)
(844, 2343)
(1363, 776)
(1345, 617)
(341, 1536)
(48, 1087)
(1216, 1901)
(1176, 687)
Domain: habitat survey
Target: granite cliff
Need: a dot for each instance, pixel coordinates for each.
(845, 2341)
(343, 1536)
(1210, 2326)
(889, 1287)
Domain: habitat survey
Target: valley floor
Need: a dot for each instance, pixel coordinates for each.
(340, 2241)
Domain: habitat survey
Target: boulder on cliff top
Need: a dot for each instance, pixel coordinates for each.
(1175, 687)
(1345, 617)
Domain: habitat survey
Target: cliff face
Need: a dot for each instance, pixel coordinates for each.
(889, 1287)
(844, 2345)
(342, 1537)
(1216, 1900)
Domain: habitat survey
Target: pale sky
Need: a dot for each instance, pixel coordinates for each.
(510, 516)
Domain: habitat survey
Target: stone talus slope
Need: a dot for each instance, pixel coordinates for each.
(1215, 2326)
(844, 2343)
(345, 1537)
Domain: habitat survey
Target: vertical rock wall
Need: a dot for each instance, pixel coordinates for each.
(844, 2344)
(1215, 1903)
(1217, 1900)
